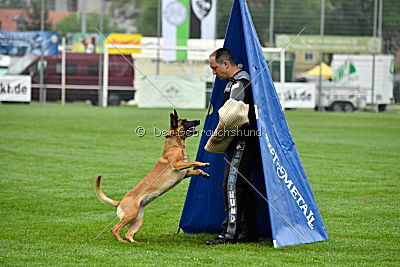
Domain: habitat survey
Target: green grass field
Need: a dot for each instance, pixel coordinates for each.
(51, 155)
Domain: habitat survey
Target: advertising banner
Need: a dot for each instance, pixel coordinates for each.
(202, 19)
(296, 95)
(28, 43)
(123, 39)
(182, 92)
(15, 88)
(175, 28)
(330, 43)
(90, 43)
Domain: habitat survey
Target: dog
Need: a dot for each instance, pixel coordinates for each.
(171, 168)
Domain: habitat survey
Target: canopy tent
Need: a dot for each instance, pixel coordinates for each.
(315, 71)
(287, 211)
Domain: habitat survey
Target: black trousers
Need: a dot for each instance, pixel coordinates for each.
(240, 203)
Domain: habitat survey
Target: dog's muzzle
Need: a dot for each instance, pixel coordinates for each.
(190, 127)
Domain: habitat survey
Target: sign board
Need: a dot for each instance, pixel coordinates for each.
(87, 43)
(90, 43)
(182, 92)
(123, 39)
(15, 88)
(330, 43)
(296, 95)
(28, 43)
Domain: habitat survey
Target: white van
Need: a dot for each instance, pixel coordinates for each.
(357, 71)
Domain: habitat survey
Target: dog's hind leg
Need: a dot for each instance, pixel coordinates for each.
(115, 230)
(135, 225)
(130, 225)
(125, 220)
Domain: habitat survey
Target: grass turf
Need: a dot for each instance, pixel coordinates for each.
(51, 155)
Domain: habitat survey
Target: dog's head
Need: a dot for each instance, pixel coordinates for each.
(181, 127)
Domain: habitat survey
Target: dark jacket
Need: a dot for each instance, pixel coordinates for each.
(239, 88)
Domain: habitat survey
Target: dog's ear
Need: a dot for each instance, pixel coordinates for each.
(176, 114)
(173, 121)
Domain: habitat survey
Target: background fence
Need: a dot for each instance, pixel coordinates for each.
(342, 17)
(271, 17)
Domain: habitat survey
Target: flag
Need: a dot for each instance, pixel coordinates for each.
(287, 211)
(203, 19)
(175, 28)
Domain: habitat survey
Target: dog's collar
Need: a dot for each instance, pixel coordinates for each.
(173, 134)
(169, 135)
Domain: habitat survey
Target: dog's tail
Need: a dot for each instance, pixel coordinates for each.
(103, 198)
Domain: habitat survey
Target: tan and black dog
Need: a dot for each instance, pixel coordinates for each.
(170, 170)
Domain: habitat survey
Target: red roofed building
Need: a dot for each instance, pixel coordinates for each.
(11, 18)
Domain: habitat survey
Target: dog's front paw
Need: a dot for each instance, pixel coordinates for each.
(205, 175)
(206, 165)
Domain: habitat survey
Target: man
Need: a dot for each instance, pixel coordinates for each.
(241, 222)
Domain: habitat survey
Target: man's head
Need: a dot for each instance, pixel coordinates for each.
(223, 64)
